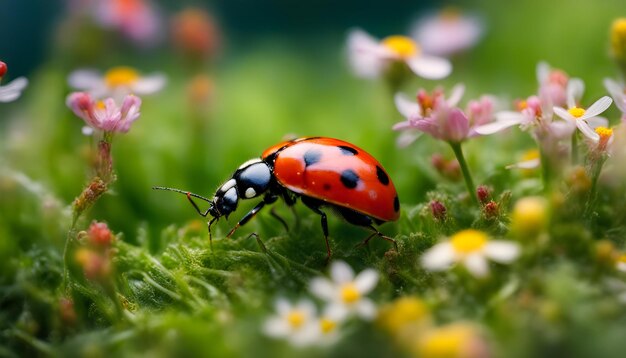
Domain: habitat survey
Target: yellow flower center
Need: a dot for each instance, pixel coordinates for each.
(576, 111)
(100, 104)
(604, 133)
(327, 325)
(622, 259)
(295, 319)
(468, 241)
(402, 46)
(349, 293)
(403, 312)
(121, 76)
(530, 155)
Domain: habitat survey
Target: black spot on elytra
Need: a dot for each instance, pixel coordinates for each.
(326, 186)
(311, 157)
(382, 176)
(345, 150)
(349, 178)
(396, 204)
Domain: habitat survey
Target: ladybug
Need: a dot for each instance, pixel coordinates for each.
(322, 172)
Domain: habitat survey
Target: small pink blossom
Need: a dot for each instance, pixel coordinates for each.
(105, 115)
(137, 19)
(447, 32)
(552, 84)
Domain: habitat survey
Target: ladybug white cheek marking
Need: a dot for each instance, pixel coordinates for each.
(250, 193)
(229, 184)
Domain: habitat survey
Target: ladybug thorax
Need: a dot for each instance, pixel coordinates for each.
(250, 180)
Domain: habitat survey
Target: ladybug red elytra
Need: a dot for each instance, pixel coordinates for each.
(322, 172)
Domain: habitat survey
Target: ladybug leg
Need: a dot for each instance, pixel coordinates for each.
(268, 199)
(381, 235)
(315, 206)
(279, 218)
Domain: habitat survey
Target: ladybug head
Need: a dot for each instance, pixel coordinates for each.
(250, 180)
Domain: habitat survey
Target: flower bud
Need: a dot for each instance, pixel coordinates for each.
(95, 266)
(491, 210)
(3, 69)
(483, 194)
(438, 210)
(99, 234)
(618, 42)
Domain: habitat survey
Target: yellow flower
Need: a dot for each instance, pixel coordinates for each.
(402, 314)
(451, 341)
(529, 216)
(618, 40)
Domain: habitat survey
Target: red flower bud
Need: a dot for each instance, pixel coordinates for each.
(99, 234)
(438, 210)
(3, 69)
(491, 210)
(482, 192)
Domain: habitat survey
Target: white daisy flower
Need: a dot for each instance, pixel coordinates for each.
(621, 263)
(296, 323)
(370, 57)
(345, 292)
(116, 82)
(618, 92)
(471, 248)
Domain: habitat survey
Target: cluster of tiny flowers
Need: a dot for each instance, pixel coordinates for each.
(344, 295)
(12, 90)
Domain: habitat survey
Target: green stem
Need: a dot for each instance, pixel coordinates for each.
(575, 148)
(545, 169)
(596, 169)
(458, 152)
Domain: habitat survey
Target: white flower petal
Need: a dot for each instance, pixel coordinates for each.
(433, 68)
(499, 125)
(276, 327)
(13, 90)
(366, 280)
(477, 265)
(456, 93)
(87, 131)
(322, 288)
(438, 257)
(363, 54)
(406, 106)
(587, 130)
(366, 309)
(336, 311)
(85, 79)
(595, 122)
(341, 272)
(307, 307)
(543, 71)
(564, 114)
(562, 129)
(150, 84)
(407, 137)
(306, 335)
(597, 107)
(282, 306)
(575, 89)
(502, 251)
(527, 164)
(616, 90)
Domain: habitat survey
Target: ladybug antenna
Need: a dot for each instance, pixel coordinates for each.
(187, 193)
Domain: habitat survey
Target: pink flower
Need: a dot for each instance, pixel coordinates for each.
(105, 115)
(552, 84)
(136, 19)
(440, 118)
(370, 57)
(447, 32)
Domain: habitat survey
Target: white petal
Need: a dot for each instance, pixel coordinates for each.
(563, 114)
(587, 131)
(562, 129)
(598, 107)
(341, 272)
(87, 131)
(363, 54)
(596, 122)
(85, 79)
(306, 335)
(456, 93)
(322, 288)
(527, 164)
(150, 84)
(406, 106)
(13, 90)
(575, 90)
(498, 125)
(283, 306)
(543, 71)
(276, 327)
(477, 265)
(407, 137)
(438, 257)
(366, 280)
(9, 96)
(366, 309)
(336, 311)
(502, 251)
(616, 91)
(307, 307)
(429, 67)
